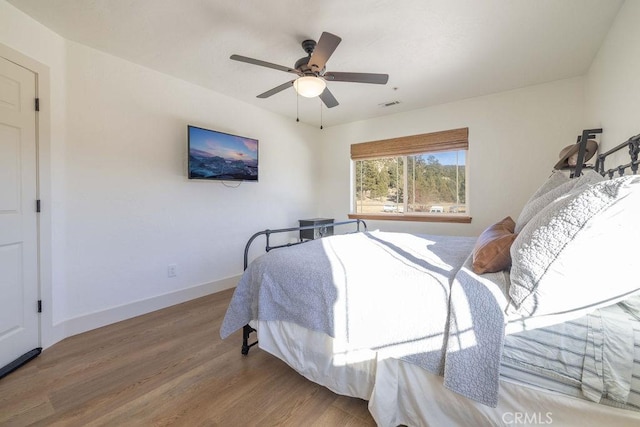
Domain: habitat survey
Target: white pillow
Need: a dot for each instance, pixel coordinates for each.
(632, 305)
(555, 189)
(556, 179)
(576, 252)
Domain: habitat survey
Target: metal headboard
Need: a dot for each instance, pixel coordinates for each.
(633, 145)
(582, 149)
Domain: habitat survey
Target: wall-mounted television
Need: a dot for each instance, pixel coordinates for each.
(221, 156)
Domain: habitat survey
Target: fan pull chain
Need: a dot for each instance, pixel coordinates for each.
(297, 107)
(320, 113)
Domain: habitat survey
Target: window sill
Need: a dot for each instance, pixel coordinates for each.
(459, 219)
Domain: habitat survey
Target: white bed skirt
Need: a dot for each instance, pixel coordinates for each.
(319, 358)
(407, 394)
(400, 393)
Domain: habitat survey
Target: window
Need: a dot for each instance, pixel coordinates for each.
(420, 177)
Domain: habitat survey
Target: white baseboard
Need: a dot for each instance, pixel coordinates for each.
(98, 319)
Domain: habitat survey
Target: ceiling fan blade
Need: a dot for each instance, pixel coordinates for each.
(263, 63)
(324, 49)
(379, 79)
(327, 97)
(276, 89)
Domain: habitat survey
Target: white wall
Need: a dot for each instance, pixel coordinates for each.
(514, 141)
(131, 210)
(122, 207)
(613, 81)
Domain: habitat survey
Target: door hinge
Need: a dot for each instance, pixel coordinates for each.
(38, 206)
(39, 306)
(37, 104)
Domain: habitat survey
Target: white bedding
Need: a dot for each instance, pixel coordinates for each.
(347, 367)
(402, 393)
(393, 362)
(320, 358)
(595, 357)
(388, 292)
(422, 400)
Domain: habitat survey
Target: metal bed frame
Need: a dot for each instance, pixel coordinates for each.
(247, 329)
(633, 145)
(582, 149)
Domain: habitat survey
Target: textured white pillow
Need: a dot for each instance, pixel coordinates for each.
(632, 305)
(576, 253)
(556, 179)
(555, 189)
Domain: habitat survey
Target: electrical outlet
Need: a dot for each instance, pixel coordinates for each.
(172, 270)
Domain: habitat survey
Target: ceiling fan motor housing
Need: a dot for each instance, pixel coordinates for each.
(303, 65)
(308, 46)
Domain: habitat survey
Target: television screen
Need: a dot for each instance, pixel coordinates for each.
(221, 156)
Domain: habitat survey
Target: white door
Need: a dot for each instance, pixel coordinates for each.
(19, 323)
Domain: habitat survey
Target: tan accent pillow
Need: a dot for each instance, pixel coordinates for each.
(492, 250)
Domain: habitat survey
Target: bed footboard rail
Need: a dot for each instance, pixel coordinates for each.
(267, 233)
(247, 329)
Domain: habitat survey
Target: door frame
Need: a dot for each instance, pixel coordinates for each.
(47, 333)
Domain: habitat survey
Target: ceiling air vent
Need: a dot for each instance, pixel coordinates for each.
(389, 104)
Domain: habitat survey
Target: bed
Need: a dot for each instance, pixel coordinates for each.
(489, 330)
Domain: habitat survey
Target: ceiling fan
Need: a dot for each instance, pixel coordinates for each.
(310, 69)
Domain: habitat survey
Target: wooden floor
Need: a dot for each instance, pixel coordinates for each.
(169, 367)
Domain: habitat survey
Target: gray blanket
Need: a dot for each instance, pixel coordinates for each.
(476, 334)
(384, 291)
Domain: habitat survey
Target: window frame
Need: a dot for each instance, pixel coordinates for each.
(426, 143)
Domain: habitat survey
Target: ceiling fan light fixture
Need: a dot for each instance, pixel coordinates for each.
(309, 86)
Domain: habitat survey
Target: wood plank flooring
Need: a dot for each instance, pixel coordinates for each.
(168, 368)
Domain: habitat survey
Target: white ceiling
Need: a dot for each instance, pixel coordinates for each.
(435, 51)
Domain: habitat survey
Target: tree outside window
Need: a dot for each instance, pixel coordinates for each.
(429, 183)
(418, 177)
